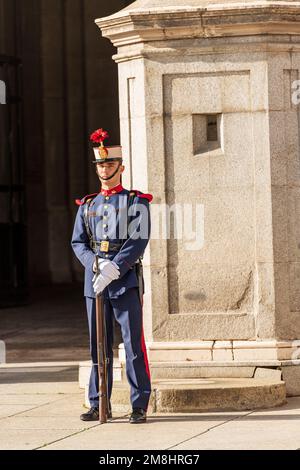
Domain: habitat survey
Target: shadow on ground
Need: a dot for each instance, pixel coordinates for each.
(52, 327)
(39, 375)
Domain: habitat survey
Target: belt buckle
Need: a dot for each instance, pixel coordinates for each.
(104, 246)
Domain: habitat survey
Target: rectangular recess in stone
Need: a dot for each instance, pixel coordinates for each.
(206, 132)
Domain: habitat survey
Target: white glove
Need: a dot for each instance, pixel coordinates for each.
(107, 268)
(100, 283)
(109, 271)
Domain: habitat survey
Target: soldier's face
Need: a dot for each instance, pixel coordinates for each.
(106, 170)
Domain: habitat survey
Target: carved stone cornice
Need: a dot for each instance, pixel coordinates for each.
(137, 25)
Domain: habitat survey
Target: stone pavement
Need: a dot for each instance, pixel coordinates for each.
(44, 414)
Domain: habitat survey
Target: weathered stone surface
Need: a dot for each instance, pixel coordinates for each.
(148, 21)
(268, 374)
(193, 371)
(236, 396)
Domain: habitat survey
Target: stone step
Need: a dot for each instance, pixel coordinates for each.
(39, 372)
(216, 394)
(190, 370)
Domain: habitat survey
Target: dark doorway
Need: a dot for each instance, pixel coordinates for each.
(13, 233)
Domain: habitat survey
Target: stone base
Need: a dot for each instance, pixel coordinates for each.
(283, 373)
(225, 359)
(219, 351)
(194, 395)
(254, 366)
(291, 377)
(221, 387)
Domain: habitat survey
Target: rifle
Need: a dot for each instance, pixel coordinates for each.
(102, 357)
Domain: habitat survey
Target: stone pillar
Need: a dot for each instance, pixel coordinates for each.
(207, 118)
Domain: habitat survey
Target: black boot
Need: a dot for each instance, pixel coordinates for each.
(93, 415)
(138, 415)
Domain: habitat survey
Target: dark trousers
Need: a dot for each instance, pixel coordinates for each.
(127, 311)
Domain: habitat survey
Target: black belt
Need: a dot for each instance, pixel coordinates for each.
(105, 246)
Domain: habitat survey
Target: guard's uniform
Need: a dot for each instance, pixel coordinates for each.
(106, 213)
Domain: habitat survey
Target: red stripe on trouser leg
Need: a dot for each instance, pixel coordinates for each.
(145, 354)
(143, 345)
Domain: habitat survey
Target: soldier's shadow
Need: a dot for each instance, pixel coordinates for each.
(281, 413)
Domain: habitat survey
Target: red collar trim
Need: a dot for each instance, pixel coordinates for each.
(112, 191)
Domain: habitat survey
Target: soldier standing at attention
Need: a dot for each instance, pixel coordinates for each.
(114, 224)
